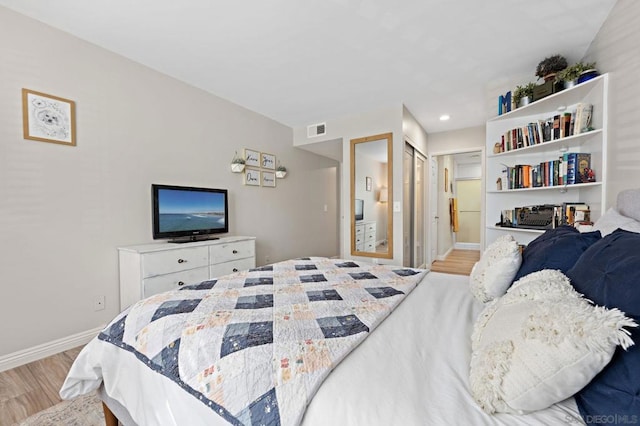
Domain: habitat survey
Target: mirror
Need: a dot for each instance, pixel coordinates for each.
(372, 196)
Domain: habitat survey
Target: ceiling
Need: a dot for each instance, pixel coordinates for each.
(304, 62)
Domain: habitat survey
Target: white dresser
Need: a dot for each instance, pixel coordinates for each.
(366, 236)
(154, 268)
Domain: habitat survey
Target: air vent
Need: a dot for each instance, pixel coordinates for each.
(316, 130)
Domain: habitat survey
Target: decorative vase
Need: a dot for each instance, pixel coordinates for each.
(570, 84)
(280, 174)
(587, 75)
(237, 167)
(524, 101)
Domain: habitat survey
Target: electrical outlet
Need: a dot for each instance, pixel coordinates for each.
(98, 303)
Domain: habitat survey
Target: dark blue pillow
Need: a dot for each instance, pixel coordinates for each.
(608, 273)
(557, 248)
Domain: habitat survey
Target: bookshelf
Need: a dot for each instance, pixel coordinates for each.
(594, 142)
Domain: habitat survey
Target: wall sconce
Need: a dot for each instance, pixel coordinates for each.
(383, 196)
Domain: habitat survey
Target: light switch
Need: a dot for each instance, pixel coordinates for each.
(396, 206)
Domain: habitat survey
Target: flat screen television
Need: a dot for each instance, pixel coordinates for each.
(359, 213)
(183, 213)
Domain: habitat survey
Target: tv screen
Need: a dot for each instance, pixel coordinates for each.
(359, 209)
(181, 211)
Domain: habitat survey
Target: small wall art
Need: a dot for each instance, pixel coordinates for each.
(368, 183)
(269, 179)
(251, 158)
(252, 177)
(268, 161)
(48, 118)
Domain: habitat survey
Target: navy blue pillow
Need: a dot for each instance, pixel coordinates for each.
(608, 273)
(557, 248)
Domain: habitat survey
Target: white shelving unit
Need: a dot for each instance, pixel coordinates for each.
(595, 92)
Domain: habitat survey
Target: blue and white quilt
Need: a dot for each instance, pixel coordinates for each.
(255, 346)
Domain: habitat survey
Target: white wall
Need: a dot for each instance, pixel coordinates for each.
(616, 50)
(343, 130)
(64, 210)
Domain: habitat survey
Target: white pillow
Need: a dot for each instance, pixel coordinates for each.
(541, 343)
(492, 275)
(612, 220)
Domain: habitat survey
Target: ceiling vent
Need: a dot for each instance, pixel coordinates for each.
(316, 130)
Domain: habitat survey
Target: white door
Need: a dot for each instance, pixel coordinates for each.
(420, 211)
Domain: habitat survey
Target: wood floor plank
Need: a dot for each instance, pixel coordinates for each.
(33, 387)
(459, 262)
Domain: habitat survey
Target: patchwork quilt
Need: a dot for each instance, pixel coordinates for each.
(254, 346)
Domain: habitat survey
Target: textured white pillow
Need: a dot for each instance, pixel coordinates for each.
(541, 343)
(612, 220)
(492, 275)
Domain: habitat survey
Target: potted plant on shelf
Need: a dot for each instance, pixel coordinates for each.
(281, 171)
(548, 69)
(523, 94)
(571, 74)
(237, 164)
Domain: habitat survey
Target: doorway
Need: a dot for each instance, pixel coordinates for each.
(453, 176)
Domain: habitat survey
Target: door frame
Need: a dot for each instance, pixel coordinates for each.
(433, 206)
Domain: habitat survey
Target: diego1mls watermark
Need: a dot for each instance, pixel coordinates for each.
(605, 419)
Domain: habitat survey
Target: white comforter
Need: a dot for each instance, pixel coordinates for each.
(411, 370)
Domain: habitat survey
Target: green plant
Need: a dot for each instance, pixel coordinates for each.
(573, 72)
(237, 160)
(523, 92)
(281, 168)
(550, 65)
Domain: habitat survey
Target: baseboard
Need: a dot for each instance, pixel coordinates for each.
(467, 246)
(444, 256)
(44, 350)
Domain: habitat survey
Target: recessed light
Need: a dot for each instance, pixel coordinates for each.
(444, 117)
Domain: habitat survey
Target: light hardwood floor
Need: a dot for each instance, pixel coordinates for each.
(457, 262)
(33, 387)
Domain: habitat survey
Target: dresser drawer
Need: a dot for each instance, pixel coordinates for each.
(370, 237)
(370, 227)
(166, 262)
(230, 267)
(174, 281)
(232, 251)
(359, 229)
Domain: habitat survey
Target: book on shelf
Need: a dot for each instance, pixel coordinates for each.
(584, 173)
(575, 212)
(583, 116)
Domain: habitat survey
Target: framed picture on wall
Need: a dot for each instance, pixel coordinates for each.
(268, 161)
(48, 118)
(252, 177)
(251, 158)
(368, 183)
(268, 179)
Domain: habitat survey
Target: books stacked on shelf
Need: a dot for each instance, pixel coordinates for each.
(553, 128)
(575, 214)
(569, 169)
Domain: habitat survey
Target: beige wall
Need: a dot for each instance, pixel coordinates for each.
(64, 210)
(616, 50)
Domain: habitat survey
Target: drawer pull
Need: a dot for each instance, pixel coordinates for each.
(235, 252)
(180, 283)
(182, 261)
(235, 269)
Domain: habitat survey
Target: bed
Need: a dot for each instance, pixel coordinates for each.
(412, 368)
